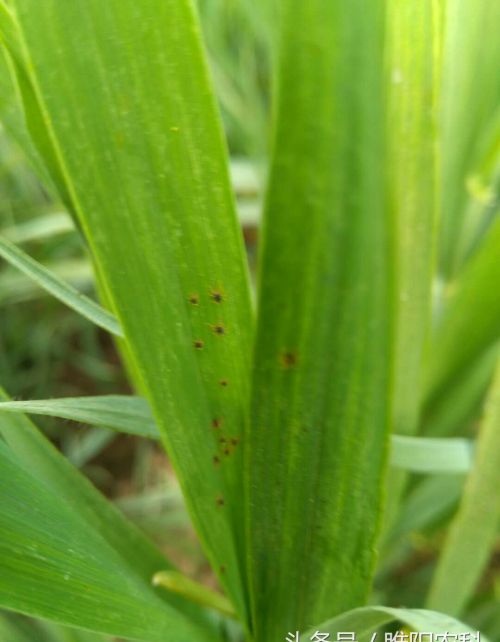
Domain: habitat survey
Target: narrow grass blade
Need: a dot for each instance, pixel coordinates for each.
(158, 214)
(15, 287)
(71, 574)
(470, 325)
(58, 288)
(41, 227)
(483, 188)
(131, 415)
(474, 530)
(93, 442)
(366, 621)
(320, 399)
(11, 111)
(429, 501)
(453, 412)
(25, 119)
(196, 592)
(433, 455)
(471, 93)
(53, 470)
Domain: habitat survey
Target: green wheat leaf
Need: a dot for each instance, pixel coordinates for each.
(320, 399)
(58, 288)
(365, 621)
(126, 414)
(473, 531)
(158, 215)
(71, 574)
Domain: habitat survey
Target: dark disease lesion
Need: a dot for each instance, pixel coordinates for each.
(288, 359)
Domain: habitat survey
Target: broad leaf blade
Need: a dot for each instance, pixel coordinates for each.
(159, 218)
(412, 72)
(320, 401)
(474, 530)
(71, 574)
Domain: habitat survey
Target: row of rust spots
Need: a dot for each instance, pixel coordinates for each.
(217, 328)
(288, 360)
(226, 444)
(215, 295)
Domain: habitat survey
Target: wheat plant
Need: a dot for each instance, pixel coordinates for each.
(293, 421)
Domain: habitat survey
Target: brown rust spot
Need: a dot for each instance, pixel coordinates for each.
(198, 344)
(219, 329)
(288, 359)
(216, 296)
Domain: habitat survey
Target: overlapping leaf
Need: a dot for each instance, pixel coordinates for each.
(412, 73)
(320, 403)
(412, 58)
